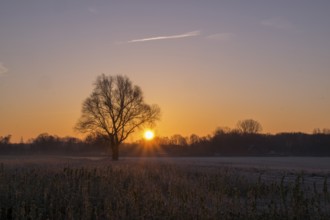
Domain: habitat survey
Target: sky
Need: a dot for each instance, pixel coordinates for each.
(207, 64)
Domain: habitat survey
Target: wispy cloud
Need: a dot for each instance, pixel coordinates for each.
(3, 69)
(185, 35)
(277, 22)
(221, 36)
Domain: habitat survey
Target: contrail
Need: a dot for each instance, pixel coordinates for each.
(189, 34)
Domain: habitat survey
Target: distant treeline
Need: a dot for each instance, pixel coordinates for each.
(224, 142)
(239, 144)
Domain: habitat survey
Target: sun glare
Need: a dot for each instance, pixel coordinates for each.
(149, 135)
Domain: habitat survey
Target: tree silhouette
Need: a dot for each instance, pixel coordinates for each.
(249, 126)
(5, 139)
(114, 110)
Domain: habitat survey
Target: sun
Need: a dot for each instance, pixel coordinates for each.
(149, 135)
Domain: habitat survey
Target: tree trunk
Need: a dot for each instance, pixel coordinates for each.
(115, 152)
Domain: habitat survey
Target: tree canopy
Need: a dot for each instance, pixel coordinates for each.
(249, 126)
(115, 109)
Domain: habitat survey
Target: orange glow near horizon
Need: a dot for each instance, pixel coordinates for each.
(201, 74)
(148, 135)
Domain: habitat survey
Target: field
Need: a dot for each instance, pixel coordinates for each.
(164, 188)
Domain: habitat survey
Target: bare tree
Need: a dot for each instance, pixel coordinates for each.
(317, 131)
(193, 139)
(222, 130)
(249, 126)
(178, 139)
(326, 131)
(114, 110)
(5, 139)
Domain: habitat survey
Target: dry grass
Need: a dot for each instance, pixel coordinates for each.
(86, 189)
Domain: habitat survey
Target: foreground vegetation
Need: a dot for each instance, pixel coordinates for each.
(156, 191)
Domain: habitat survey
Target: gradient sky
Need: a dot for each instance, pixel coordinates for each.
(205, 63)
